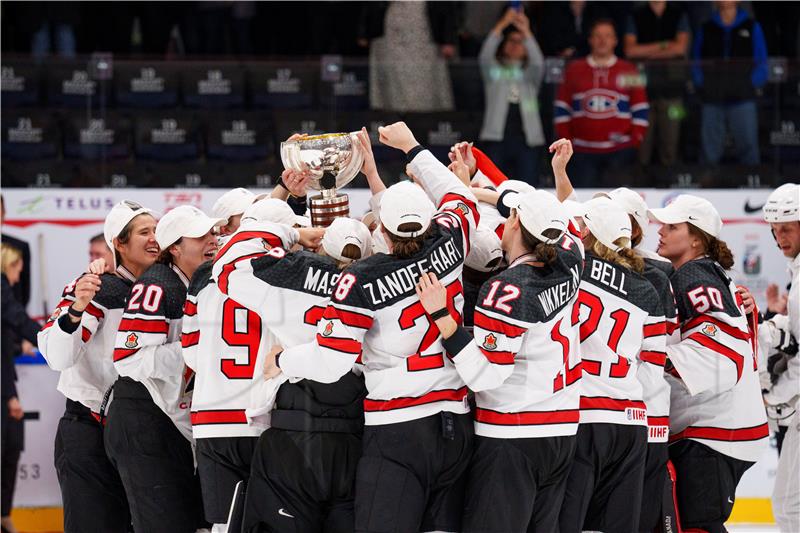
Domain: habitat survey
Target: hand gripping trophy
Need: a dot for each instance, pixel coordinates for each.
(333, 159)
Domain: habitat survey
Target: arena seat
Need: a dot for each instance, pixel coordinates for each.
(112, 173)
(167, 136)
(30, 134)
(71, 86)
(467, 85)
(311, 122)
(188, 175)
(20, 84)
(439, 131)
(283, 87)
(238, 136)
(349, 93)
(146, 84)
(96, 136)
(213, 85)
(41, 173)
(371, 120)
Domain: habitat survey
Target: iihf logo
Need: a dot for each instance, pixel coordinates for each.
(328, 330)
(490, 342)
(132, 340)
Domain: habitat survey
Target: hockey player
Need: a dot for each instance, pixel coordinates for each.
(78, 341)
(148, 435)
(621, 328)
(524, 365)
(718, 427)
(224, 343)
(418, 434)
(303, 470)
(782, 212)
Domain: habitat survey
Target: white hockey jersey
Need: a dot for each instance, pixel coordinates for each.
(524, 360)
(375, 313)
(715, 393)
(82, 351)
(621, 328)
(148, 344)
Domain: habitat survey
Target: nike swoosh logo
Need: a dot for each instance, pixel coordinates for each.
(284, 513)
(750, 209)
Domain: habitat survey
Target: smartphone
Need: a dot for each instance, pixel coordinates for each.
(516, 5)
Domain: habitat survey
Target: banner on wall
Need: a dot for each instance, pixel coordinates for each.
(58, 224)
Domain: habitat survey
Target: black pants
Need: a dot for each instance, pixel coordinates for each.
(655, 480)
(154, 461)
(92, 492)
(412, 475)
(525, 478)
(222, 462)
(302, 481)
(706, 484)
(604, 490)
(13, 440)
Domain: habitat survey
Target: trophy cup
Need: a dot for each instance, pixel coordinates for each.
(333, 159)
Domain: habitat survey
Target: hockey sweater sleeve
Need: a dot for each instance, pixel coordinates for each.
(788, 385)
(650, 372)
(63, 342)
(190, 331)
(142, 349)
(486, 360)
(562, 107)
(340, 334)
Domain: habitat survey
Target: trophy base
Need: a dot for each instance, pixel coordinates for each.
(325, 209)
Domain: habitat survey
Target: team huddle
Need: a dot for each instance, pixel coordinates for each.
(473, 355)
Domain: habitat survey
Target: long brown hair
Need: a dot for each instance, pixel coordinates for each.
(625, 257)
(715, 248)
(546, 253)
(405, 247)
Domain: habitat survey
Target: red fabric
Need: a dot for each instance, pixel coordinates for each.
(449, 395)
(488, 167)
(528, 418)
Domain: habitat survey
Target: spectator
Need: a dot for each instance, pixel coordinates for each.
(56, 30)
(99, 249)
(22, 290)
(565, 26)
(409, 43)
(659, 31)
(512, 66)
(729, 51)
(602, 108)
(16, 324)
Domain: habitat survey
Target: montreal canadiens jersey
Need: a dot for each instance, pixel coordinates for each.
(376, 314)
(82, 351)
(524, 359)
(715, 394)
(621, 328)
(148, 344)
(655, 388)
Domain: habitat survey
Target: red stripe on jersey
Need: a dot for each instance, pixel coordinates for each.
(497, 326)
(653, 330)
(272, 239)
(348, 318)
(120, 353)
(499, 230)
(527, 418)
(222, 282)
(609, 404)
(85, 334)
(654, 358)
(446, 395)
(657, 420)
(190, 339)
(573, 229)
(350, 346)
(721, 349)
(48, 324)
(723, 434)
(94, 311)
(734, 332)
(65, 303)
(499, 358)
(189, 308)
(219, 416)
(144, 326)
(672, 325)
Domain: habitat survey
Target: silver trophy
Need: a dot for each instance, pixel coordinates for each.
(333, 159)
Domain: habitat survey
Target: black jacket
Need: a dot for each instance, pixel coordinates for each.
(22, 290)
(15, 324)
(442, 16)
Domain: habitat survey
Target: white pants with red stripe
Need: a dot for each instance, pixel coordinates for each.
(786, 496)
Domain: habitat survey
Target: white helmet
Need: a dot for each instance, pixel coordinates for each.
(783, 205)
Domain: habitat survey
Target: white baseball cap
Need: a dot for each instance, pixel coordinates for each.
(404, 203)
(633, 204)
(574, 209)
(538, 212)
(119, 217)
(485, 253)
(233, 202)
(184, 221)
(697, 211)
(344, 231)
(516, 186)
(269, 210)
(608, 221)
